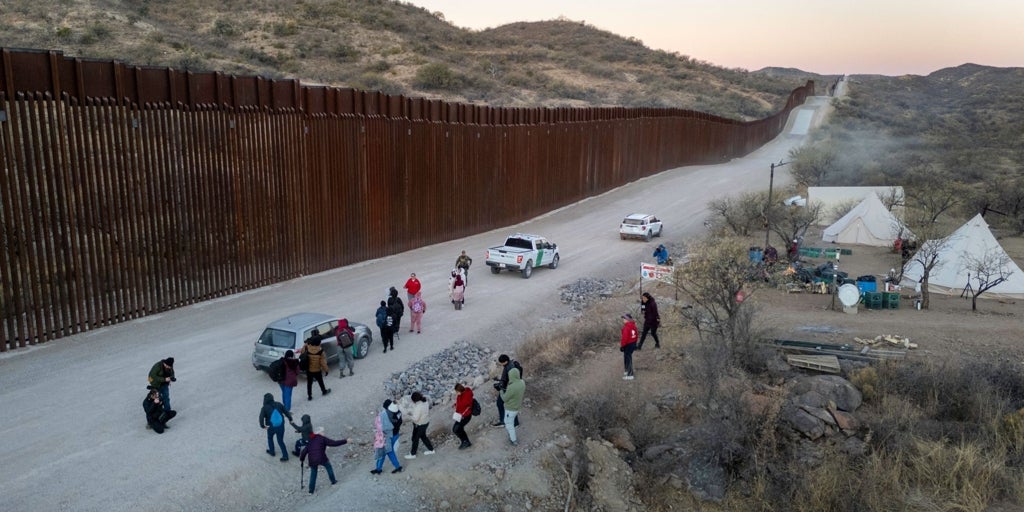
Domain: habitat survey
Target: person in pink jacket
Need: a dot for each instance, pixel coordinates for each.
(418, 307)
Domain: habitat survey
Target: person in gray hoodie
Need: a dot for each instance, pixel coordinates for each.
(513, 398)
(272, 417)
(304, 431)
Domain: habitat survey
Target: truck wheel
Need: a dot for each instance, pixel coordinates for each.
(495, 270)
(528, 269)
(647, 236)
(554, 263)
(362, 347)
(621, 236)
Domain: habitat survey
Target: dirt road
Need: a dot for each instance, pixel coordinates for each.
(73, 428)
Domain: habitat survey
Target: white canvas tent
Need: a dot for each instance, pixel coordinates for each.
(950, 275)
(868, 223)
(831, 197)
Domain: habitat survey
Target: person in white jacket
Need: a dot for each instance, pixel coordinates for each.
(420, 416)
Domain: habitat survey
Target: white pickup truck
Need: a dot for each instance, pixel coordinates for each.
(522, 252)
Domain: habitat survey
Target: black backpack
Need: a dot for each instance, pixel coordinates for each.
(476, 408)
(276, 370)
(304, 361)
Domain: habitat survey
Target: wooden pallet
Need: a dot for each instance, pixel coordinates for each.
(827, 364)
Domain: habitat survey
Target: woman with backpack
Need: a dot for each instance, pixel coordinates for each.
(272, 417)
(418, 307)
(346, 338)
(290, 379)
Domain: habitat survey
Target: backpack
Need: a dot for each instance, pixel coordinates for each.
(276, 419)
(345, 339)
(416, 306)
(304, 361)
(476, 408)
(390, 319)
(276, 370)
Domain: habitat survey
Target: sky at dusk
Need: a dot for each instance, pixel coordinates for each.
(892, 37)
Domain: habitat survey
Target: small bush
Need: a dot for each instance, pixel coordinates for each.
(866, 380)
(225, 28)
(345, 53)
(436, 76)
(64, 33)
(94, 33)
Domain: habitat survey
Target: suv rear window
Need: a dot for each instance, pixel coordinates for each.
(633, 222)
(277, 338)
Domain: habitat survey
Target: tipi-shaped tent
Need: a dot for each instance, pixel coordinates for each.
(950, 275)
(868, 223)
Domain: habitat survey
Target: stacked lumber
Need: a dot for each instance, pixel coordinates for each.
(891, 339)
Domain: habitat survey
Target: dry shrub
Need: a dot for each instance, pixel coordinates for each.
(542, 354)
(866, 380)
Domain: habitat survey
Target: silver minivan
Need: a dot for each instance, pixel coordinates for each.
(291, 333)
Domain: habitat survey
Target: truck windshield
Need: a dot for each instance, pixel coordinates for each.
(518, 243)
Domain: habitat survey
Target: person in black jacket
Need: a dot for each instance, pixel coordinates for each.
(272, 417)
(317, 451)
(397, 309)
(305, 431)
(651, 320)
(156, 416)
(501, 384)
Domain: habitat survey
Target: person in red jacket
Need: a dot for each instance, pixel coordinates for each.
(412, 287)
(628, 344)
(463, 413)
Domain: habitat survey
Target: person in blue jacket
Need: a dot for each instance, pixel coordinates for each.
(661, 253)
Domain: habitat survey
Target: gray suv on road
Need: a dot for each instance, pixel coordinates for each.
(291, 332)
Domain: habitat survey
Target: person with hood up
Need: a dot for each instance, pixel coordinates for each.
(272, 417)
(627, 344)
(290, 380)
(317, 451)
(346, 338)
(651, 320)
(385, 322)
(513, 398)
(317, 365)
(418, 307)
(661, 254)
(304, 431)
(457, 288)
(161, 375)
(420, 416)
(383, 445)
(397, 308)
(156, 416)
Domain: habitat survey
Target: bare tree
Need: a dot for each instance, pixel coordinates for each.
(811, 164)
(932, 242)
(892, 198)
(740, 215)
(933, 192)
(790, 222)
(989, 269)
(716, 270)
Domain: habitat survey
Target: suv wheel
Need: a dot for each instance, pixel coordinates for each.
(647, 236)
(528, 269)
(362, 347)
(554, 263)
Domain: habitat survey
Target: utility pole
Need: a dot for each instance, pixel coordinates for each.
(767, 215)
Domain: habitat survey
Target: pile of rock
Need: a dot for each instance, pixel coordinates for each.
(585, 291)
(436, 375)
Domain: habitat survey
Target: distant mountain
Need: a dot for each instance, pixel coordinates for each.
(396, 48)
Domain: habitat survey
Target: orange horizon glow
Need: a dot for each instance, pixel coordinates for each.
(820, 36)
